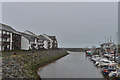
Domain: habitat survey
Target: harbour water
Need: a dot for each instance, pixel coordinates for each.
(74, 65)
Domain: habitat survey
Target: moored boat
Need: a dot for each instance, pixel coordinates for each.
(88, 53)
(108, 69)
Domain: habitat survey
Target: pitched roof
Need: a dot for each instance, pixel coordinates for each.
(29, 37)
(42, 37)
(46, 36)
(7, 28)
(30, 33)
(52, 37)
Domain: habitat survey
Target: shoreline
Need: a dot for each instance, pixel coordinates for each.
(49, 63)
(27, 64)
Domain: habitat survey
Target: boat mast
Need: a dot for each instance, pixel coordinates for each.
(111, 47)
(108, 46)
(105, 42)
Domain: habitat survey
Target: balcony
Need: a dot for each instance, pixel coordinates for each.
(17, 44)
(6, 36)
(41, 44)
(40, 41)
(55, 44)
(5, 43)
(48, 42)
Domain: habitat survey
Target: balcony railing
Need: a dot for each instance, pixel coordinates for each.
(5, 43)
(6, 36)
(41, 44)
(17, 44)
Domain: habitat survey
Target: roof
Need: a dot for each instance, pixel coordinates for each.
(30, 33)
(29, 37)
(46, 36)
(42, 37)
(52, 37)
(7, 28)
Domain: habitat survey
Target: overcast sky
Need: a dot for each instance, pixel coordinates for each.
(59, 0)
(74, 24)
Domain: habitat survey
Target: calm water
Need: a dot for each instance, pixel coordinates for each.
(74, 65)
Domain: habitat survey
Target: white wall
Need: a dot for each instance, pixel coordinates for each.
(45, 44)
(24, 43)
(36, 43)
(51, 44)
(0, 47)
(11, 41)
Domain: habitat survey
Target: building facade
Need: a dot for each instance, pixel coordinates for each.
(50, 42)
(10, 38)
(28, 42)
(45, 42)
(36, 41)
(54, 42)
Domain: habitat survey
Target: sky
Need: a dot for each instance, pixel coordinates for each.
(59, 0)
(75, 24)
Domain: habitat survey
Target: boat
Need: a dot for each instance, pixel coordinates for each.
(102, 62)
(108, 69)
(112, 74)
(97, 63)
(88, 53)
(115, 74)
(105, 63)
(95, 57)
